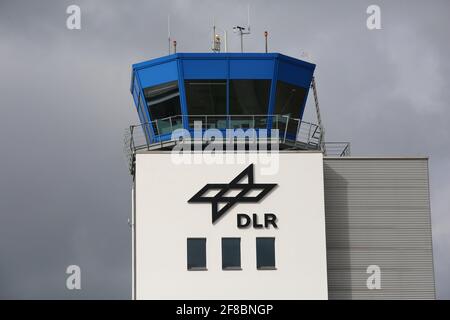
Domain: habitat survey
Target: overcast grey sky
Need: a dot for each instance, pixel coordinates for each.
(65, 102)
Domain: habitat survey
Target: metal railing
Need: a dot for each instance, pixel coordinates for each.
(293, 133)
(338, 149)
(151, 134)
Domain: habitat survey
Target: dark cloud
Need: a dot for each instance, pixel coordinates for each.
(65, 101)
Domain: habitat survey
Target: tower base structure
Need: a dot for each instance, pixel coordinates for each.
(281, 225)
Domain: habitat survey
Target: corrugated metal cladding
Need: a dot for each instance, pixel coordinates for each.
(378, 213)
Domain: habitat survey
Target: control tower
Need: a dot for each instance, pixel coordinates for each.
(313, 222)
(261, 91)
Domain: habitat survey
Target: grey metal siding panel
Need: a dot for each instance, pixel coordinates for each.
(378, 213)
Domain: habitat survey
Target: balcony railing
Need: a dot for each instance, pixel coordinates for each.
(292, 133)
(338, 149)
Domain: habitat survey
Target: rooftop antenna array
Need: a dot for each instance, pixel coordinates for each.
(216, 41)
(243, 30)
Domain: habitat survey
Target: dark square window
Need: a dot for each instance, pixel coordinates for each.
(265, 253)
(249, 97)
(288, 104)
(249, 103)
(206, 97)
(231, 253)
(289, 99)
(207, 102)
(196, 254)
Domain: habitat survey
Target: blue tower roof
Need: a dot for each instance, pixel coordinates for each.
(237, 90)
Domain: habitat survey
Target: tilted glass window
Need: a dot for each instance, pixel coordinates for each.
(288, 102)
(163, 103)
(196, 253)
(265, 253)
(249, 103)
(205, 98)
(231, 253)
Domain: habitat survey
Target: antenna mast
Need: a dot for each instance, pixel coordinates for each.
(168, 31)
(216, 38)
(243, 30)
(214, 35)
(265, 37)
(225, 41)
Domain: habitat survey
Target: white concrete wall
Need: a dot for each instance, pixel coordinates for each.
(164, 220)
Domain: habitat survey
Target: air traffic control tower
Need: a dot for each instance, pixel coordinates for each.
(297, 217)
(260, 91)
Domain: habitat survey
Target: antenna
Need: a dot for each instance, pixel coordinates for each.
(214, 35)
(174, 46)
(248, 18)
(168, 30)
(265, 37)
(216, 44)
(216, 38)
(243, 30)
(225, 41)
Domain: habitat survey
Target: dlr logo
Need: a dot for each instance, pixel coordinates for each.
(244, 221)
